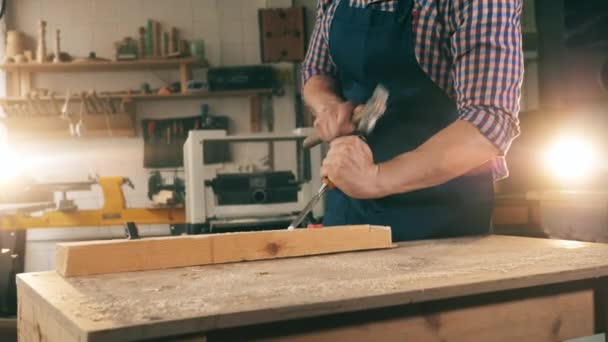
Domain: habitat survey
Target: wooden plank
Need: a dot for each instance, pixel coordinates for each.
(99, 257)
(538, 315)
(181, 301)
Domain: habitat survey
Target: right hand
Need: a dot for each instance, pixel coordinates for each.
(334, 120)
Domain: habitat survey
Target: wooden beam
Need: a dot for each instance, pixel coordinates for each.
(100, 257)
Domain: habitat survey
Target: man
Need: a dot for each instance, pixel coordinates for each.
(454, 70)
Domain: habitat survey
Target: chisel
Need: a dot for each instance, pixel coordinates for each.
(327, 185)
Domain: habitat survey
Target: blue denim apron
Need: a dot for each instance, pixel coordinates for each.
(371, 47)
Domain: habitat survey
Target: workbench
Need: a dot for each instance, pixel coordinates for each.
(491, 288)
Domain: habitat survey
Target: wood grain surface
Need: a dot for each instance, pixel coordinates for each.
(141, 305)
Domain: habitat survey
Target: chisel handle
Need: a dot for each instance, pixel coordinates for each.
(313, 138)
(328, 183)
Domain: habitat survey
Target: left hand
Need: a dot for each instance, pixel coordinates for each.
(350, 167)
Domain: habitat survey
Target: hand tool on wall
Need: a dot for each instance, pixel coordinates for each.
(99, 105)
(31, 110)
(182, 131)
(21, 110)
(66, 116)
(15, 110)
(110, 104)
(78, 129)
(84, 103)
(364, 119)
(40, 107)
(106, 104)
(150, 130)
(8, 110)
(92, 103)
(55, 104)
(372, 111)
(66, 103)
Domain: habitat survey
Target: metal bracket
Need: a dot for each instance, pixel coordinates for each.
(131, 231)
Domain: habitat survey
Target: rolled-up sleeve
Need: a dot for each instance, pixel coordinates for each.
(318, 60)
(488, 67)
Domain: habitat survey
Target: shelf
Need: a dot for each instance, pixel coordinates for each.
(153, 97)
(54, 127)
(20, 84)
(203, 95)
(145, 64)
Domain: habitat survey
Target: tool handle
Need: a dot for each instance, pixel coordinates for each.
(313, 138)
(328, 183)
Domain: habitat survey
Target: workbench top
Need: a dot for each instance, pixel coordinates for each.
(196, 299)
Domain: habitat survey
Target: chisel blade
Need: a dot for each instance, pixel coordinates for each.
(308, 208)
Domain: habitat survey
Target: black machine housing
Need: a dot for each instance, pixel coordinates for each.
(243, 77)
(255, 188)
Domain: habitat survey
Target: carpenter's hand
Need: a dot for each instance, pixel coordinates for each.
(333, 119)
(350, 166)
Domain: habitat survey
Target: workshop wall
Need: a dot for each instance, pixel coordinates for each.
(231, 34)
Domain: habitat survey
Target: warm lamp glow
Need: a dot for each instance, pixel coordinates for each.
(8, 164)
(571, 158)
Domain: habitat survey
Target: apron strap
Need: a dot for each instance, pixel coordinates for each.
(404, 10)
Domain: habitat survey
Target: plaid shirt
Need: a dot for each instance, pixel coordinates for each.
(472, 49)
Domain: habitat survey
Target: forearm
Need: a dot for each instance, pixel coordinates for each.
(319, 91)
(450, 153)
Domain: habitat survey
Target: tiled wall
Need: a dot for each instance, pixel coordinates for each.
(230, 31)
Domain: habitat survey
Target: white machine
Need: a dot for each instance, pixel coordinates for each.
(220, 201)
